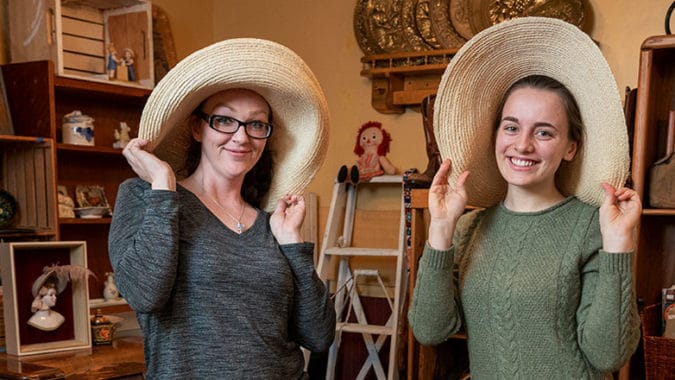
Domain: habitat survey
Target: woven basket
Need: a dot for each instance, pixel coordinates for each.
(659, 351)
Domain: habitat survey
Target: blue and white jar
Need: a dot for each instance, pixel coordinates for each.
(78, 129)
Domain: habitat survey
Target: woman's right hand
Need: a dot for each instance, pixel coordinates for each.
(148, 167)
(446, 205)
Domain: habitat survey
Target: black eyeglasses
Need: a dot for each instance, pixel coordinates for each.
(255, 128)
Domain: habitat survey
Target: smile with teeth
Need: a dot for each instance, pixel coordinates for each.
(521, 162)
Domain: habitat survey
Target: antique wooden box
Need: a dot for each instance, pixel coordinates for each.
(86, 39)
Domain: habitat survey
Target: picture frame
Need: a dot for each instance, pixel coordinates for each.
(6, 127)
(21, 263)
(91, 196)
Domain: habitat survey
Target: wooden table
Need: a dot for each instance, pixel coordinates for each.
(122, 360)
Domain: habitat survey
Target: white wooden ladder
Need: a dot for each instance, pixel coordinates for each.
(337, 251)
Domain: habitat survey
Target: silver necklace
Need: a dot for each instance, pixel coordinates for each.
(240, 225)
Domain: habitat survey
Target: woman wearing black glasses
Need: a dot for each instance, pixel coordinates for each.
(206, 244)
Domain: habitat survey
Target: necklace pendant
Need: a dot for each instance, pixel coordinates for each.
(240, 227)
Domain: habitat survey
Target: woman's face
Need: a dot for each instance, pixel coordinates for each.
(532, 139)
(49, 299)
(231, 155)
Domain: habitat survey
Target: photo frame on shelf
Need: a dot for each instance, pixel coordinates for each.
(6, 127)
(22, 265)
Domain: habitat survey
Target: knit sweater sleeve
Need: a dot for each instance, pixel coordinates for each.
(143, 244)
(608, 324)
(313, 321)
(433, 313)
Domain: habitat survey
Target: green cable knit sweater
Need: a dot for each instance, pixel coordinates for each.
(538, 297)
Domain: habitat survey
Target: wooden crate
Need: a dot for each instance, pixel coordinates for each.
(21, 264)
(76, 35)
(28, 173)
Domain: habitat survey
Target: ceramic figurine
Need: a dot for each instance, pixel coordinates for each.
(46, 287)
(128, 59)
(110, 292)
(122, 136)
(112, 61)
(45, 318)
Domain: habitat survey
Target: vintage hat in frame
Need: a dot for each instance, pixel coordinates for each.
(299, 140)
(488, 64)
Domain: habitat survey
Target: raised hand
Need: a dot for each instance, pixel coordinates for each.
(619, 214)
(287, 218)
(148, 167)
(446, 205)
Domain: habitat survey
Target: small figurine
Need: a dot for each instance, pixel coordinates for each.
(372, 146)
(112, 61)
(110, 292)
(128, 59)
(46, 287)
(66, 203)
(122, 136)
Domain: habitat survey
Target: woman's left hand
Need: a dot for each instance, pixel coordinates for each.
(287, 218)
(619, 214)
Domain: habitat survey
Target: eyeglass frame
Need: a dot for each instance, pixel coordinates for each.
(209, 120)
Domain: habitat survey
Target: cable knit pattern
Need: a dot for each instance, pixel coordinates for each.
(538, 296)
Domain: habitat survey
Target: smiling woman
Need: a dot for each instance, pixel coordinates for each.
(529, 275)
(215, 218)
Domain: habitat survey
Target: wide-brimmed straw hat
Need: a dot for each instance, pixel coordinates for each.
(298, 142)
(488, 64)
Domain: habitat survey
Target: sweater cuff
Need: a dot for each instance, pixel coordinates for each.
(438, 259)
(616, 262)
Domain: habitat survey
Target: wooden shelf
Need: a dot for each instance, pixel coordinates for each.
(34, 86)
(401, 80)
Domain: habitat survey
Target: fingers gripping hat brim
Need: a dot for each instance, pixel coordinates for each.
(300, 136)
(488, 64)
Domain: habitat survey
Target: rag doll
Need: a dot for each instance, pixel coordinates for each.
(372, 146)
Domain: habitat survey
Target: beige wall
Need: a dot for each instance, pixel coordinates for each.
(321, 32)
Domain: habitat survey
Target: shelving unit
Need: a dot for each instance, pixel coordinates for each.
(38, 100)
(655, 254)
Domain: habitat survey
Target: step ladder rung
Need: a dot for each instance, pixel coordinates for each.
(355, 251)
(367, 329)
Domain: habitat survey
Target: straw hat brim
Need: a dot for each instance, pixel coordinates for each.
(479, 74)
(300, 137)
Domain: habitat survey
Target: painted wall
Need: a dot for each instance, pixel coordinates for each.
(322, 33)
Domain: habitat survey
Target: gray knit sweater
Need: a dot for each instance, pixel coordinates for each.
(538, 296)
(213, 304)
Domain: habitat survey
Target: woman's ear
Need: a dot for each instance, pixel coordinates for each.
(571, 151)
(195, 127)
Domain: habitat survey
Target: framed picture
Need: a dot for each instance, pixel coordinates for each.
(43, 313)
(5, 119)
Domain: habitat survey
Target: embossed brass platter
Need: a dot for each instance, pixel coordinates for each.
(441, 24)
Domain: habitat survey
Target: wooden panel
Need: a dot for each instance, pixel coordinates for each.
(82, 28)
(28, 174)
(30, 95)
(89, 13)
(79, 45)
(82, 62)
(33, 26)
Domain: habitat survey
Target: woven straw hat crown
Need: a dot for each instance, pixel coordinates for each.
(488, 64)
(298, 144)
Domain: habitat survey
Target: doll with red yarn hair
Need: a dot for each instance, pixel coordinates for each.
(372, 146)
